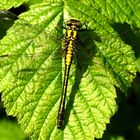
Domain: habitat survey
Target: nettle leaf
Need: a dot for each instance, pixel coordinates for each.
(6, 4)
(32, 70)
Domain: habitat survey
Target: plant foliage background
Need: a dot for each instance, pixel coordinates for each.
(108, 19)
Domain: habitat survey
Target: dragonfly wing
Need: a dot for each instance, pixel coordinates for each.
(31, 49)
(94, 58)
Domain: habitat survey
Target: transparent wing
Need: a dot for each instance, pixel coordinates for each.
(105, 54)
(32, 45)
(31, 48)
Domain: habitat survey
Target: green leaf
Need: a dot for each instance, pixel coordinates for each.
(6, 4)
(10, 131)
(31, 70)
(119, 11)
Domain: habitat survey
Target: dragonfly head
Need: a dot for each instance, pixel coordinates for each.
(74, 23)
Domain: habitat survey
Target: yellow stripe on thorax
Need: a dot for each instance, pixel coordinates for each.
(70, 31)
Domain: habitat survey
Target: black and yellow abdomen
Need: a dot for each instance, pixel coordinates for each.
(70, 41)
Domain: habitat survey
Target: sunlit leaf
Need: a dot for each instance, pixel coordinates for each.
(32, 76)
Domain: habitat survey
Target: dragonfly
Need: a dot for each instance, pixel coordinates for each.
(35, 52)
(70, 48)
